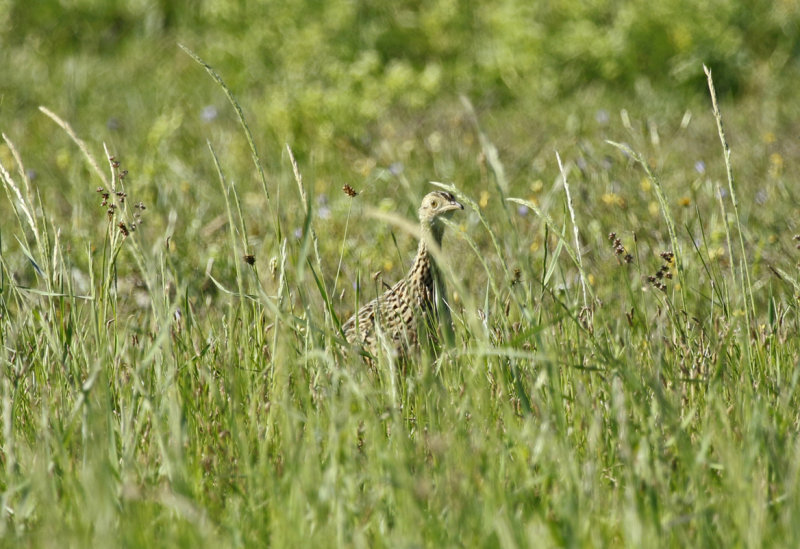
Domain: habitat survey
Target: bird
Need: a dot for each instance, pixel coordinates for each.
(409, 311)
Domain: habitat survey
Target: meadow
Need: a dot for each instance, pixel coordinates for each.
(178, 252)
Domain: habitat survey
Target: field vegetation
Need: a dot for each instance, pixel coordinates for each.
(177, 255)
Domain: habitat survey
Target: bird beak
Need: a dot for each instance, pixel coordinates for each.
(455, 205)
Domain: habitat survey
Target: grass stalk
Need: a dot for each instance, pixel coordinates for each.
(246, 128)
(665, 211)
(574, 229)
(747, 286)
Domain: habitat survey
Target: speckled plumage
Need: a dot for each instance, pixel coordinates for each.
(399, 315)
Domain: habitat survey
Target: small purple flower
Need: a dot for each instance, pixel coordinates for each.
(396, 168)
(209, 113)
(700, 166)
(761, 197)
(298, 233)
(324, 212)
(602, 117)
(522, 210)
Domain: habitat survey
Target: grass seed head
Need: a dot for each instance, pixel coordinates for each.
(619, 249)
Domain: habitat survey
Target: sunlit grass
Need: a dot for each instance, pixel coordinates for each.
(624, 370)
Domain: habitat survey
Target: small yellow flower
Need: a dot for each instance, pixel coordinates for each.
(434, 141)
(645, 184)
(364, 165)
(685, 201)
(62, 159)
(484, 199)
(387, 266)
(653, 208)
(716, 253)
(769, 137)
(775, 164)
(537, 186)
(613, 199)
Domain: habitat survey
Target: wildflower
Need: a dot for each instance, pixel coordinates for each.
(209, 113)
(775, 165)
(613, 199)
(324, 211)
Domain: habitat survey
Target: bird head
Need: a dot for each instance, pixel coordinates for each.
(435, 206)
(438, 204)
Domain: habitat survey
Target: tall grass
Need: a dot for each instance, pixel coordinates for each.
(142, 406)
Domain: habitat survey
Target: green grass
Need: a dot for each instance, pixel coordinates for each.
(158, 390)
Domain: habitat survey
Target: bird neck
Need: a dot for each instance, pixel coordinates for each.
(431, 237)
(431, 232)
(424, 271)
(424, 260)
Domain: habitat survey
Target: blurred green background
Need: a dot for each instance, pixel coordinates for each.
(367, 93)
(327, 73)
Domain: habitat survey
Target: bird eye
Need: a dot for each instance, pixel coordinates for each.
(435, 204)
